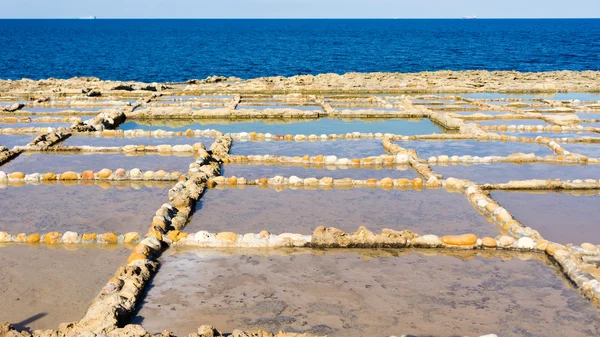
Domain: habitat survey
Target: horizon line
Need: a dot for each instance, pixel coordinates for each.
(299, 18)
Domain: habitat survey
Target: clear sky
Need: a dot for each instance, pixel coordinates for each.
(299, 8)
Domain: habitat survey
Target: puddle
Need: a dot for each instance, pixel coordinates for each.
(43, 287)
(505, 172)
(269, 171)
(514, 122)
(116, 141)
(78, 162)
(253, 209)
(427, 148)
(340, 148)
(559, 217)
(11, 141)
(282, 126)
(588, 150)
(78, 208)
(340, 293)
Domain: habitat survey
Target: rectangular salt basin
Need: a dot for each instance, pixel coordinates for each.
(307, 127)
(58, 163)
(79, 208)
(562, 96)
(11, 141)
(278, 105)
(365, 293)
(428, 148)
(586, 149)
(43, 287)
(558, 216)
(35, 125)
(552, 135)
(122, 141)
(341, 148)
(513, 122)
(505, 172)
(253, 209)
(249, 171)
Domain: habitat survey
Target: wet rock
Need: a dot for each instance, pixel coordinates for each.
(460, 240)
(228, 237)
(69, 175)
(104, 173)
(52, 238)
(109, 238)
(49, 176)
(488, 242)
(87, 175)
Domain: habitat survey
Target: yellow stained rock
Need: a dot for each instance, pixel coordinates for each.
(131, 237)
(21, 237)
(402, 182)
(460, 240)
(371, 182)
(109, 238)
(176, 235)
(104, 173)
(17, 175)
(417, 182)
(488, 242)
(4, 237)
(553, 248)
(318, 159)
(136, 257)
(69, 175)
(89, 237)
(542, 244)
(33, 238)
(49, 176)
(160, 173)
(232, 181)
(52, 238)
(386, 182)
(227, 237)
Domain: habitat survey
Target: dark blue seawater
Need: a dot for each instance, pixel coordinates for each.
(174, 50)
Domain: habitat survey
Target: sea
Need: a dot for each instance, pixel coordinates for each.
(169, 50)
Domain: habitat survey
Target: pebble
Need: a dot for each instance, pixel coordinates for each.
(460, 240)
(526, 243)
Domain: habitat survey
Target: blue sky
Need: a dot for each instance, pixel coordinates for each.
(299, 8)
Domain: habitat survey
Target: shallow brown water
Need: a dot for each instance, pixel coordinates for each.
(505, 172)
(78, 162)
(41, 287)
(252, 209)
(559, 217)
(360, 293)
(83, 209)
(268, 171)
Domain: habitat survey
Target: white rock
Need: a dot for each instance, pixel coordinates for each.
(3, 176)
(401, 159)
(330, 159)
(526, 243)
(296, 181)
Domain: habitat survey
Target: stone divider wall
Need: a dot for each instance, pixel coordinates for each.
(325, 182)
(68, 238)
(104, 174)
(118, 299)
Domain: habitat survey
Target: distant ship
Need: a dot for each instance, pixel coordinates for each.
(87, 17)
(470, 17)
